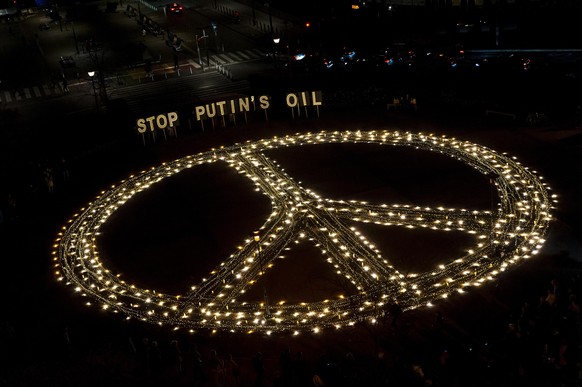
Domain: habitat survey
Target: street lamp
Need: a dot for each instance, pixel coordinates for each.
(92, 76)
(203, 38)
(276, 41)
(257, 238)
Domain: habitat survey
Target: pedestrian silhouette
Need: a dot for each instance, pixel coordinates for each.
(148, 68)
(65, 85)
(49, 179)
(64, 167)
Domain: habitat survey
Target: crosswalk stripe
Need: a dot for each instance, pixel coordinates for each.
(36, 91)
(230, 58)
(8, 96)
(194, 64)
(47, 90)
(258, 52)
(236, 56)
(222, 58)
(245, 55)
(27, 93)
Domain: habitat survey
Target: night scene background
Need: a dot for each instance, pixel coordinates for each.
(75, 76)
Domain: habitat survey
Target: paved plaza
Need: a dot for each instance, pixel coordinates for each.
(168, 239)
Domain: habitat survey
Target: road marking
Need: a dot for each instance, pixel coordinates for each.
(221, 59)
(236, 55)
(258, 52)
(194, 64)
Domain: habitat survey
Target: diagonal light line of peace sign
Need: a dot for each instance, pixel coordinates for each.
(509, 235)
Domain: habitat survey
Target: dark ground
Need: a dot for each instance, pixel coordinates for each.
(473, 328)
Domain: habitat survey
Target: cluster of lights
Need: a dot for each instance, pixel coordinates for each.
(506, 236)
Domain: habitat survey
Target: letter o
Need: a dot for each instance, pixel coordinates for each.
(292, 100)
(161, 121)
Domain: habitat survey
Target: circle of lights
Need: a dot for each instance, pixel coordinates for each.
(506, 236)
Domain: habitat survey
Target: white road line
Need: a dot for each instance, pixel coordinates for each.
(194, 64)
(258, 52)
(222, 58)
(237, 56)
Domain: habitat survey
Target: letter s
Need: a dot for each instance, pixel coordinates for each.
(141, 128)
(264, 102)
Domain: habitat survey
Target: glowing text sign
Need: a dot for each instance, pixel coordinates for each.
(161, 121)
(252, 103)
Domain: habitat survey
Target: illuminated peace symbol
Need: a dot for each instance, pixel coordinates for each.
(514, 232)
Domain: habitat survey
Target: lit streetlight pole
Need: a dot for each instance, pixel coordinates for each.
(202, 38)
(276, 41)
(198, 50)
(92, 76)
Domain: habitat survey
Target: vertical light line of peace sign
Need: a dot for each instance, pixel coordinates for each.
(513, 232)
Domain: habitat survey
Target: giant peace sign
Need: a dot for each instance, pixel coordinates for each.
(507, 236)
